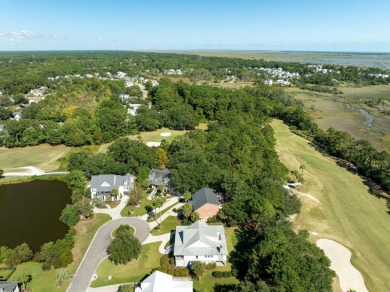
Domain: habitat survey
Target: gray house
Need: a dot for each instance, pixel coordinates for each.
(160, 177)
(102, 185)
(9, 286)
(206, 203)
(200, 242)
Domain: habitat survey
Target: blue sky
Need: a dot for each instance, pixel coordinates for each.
(324, 25)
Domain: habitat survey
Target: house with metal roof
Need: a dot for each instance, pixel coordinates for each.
(160, 177)
(102, 185)
(161, 282)
(200, 242)
(206, 203)
(9, 286)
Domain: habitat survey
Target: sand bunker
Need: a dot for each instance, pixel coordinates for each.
(340, 256)
(166, 134)
(153, 144)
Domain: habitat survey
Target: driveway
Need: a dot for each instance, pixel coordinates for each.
(97, 250)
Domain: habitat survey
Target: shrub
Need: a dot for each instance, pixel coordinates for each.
(164, 261)
(222, 274)
(210, 266)
(171, 271)
(172, 260)
(174, 210)
(177, 273)
(184, 272)
(213, 219)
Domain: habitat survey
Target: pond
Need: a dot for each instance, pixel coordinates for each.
(29, 212)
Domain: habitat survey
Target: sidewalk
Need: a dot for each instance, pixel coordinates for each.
(115, 213)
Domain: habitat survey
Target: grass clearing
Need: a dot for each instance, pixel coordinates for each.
(162, 212)
(347, 213)
(134, 271)
(168, 225)
(137, 210)
(43, 156)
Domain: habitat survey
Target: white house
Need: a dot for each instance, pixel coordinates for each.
(161, 282)
(10, 286)
(133, 109)
(102, 185)
(200, 242)
(268, 82)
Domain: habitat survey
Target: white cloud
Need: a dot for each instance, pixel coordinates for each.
(100, 39)
(17, 36)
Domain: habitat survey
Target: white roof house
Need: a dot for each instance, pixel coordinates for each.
(200, 242)
(161, 282)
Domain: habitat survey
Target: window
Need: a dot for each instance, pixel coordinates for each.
(196, 257)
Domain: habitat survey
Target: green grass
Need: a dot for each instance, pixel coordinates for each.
(5, 274)
(347, 213)
(162, 212)
(41, 280)
(132, 272)
(137, 211)
(168, 224)
(155, 136)
(45, 280)
(43, 156)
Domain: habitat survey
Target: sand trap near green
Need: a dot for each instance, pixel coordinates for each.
(350, 278)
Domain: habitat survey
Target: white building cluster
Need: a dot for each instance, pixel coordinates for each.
(282, 77)
(173, 72)
(129, 81)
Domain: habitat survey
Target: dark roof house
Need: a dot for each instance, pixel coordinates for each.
(204, 196)
(160, 177)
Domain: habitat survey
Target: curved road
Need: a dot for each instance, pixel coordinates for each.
(97, 250)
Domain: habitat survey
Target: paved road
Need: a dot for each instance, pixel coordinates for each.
(97, 250)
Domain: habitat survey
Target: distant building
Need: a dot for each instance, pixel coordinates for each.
(133, 109)
(268, 82)
(16, 116)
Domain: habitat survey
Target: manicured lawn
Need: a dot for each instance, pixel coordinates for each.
(132, 272)
(162, 212)
(155, 136)
(42, 156)
(5, 274)
(41, 280)
(137, 211)
(45, 280)
(168, 224)
(347, 213)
